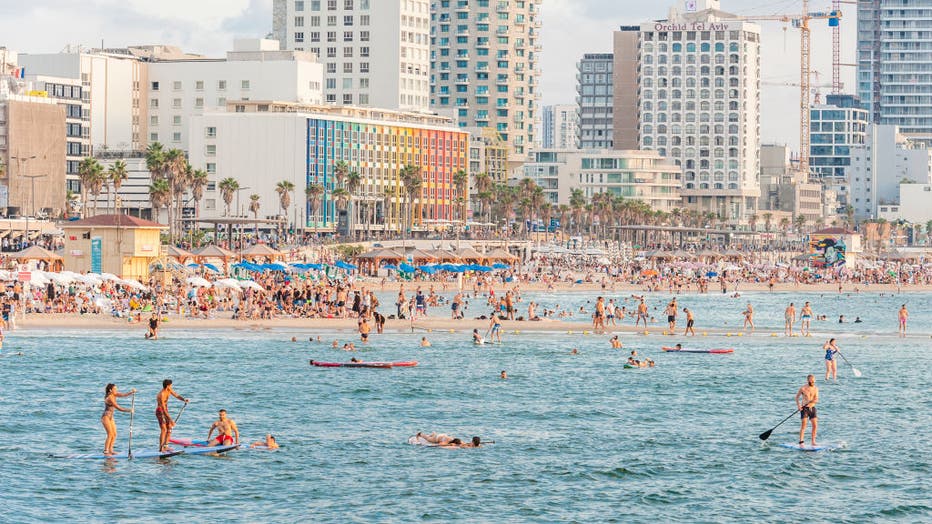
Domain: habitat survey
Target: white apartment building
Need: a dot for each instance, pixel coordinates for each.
(375, 52)
(881, 165)
(484, 66)
(914, 205)
(560, 127)
(113, 84)
(180, 88)
(637, 175)
(698, 101)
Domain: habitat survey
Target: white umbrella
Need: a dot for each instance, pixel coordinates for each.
(109, 276)
(38, 278)
(133, 284)
(198, 282)
(231, 283)
(5, 275)
(90, 279)
(251, 284)
(60, 278)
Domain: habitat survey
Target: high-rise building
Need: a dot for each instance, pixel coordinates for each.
(181, 86)
(375, 52)
(838, 128)
(560, 126)
(895, 63)
(594, 95)
(484, 66)
(698, 101)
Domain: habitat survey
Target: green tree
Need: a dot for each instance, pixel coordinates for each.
(228, 188)
(117, 175)
(88, 171)
(284, 190)
(159, 196)
(314, 194)
(254, 207)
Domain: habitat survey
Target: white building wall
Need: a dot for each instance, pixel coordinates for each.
(881, 165)
(379, 55)
(178, 90)
(280, 144)
(915, 205)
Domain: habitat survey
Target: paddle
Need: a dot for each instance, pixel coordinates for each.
(132, 415)
(766, 435)
(180, 411)
(854, 370)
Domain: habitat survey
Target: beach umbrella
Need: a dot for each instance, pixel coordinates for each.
(430, 270)
(132, 284)
(198, 282)
(711, 274)
(390, 267)
(109, 277)
(251, 285)
(406, 268)
(499, 265)
(231, 283)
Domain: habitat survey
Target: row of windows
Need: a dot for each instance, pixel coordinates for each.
(705, 47)
(178, 85)
(314, 36)
(660, 36)
(348, 20)
(315, 5)
(690, 185)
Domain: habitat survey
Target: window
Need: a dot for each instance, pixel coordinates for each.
(221, 102)
(347, 52)
(221, 85)
(155, 86)
(244, 84)
(199, 85)
(299, 37)
(331, 5)
(347, 67)
(211, 169)
(364, 67)
(331, 52)
(363, 83)
(154, 120)
(332, 99)
(331, 36)
(299, 5)
(176, 136)
(347, 36)
(176, 85)
(364, 52)
(176, 103)
(347, 99)
(210, 150)
(348, 20)
(210, 132)
(153, 137)
(331, 21)
(331, 83)
(315, 36)
(347, 5)
(198, 103)
(363, 99)
(240, 109)
(154, 103)
(364, 36)
(364, 20)
(299, 21)
(331, 67)
(176, 120)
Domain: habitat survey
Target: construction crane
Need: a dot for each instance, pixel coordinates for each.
(837, 86)
(816, 93)
(801, 21)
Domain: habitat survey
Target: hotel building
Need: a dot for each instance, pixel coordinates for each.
(260, 143)
(697, 101)
(594, 94)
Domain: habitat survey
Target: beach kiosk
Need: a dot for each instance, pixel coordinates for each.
(120, 244)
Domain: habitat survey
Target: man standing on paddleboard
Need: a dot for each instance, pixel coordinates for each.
(806, 399)
(161, 412)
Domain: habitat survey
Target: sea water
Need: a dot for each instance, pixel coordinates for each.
(577, 437)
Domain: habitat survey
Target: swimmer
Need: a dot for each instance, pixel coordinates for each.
(748, 317)
(789, 317)
(690, 320)
(805, 319)
(294, 339)
(477, 338)
(831, 365)
(504, 375)
(268, 443)
(857, 320)
(616, 344)
(903, 317)
(424, 342)
(335, 344)
(574, 351)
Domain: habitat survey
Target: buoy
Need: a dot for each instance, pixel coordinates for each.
(646, 333)
(517, 332)
(665, 333)
(741, 334)
(430, 330)
(773, 334)
(727, 334)
(705, 334)
(452, 331)
(585, 332)
(569, 332)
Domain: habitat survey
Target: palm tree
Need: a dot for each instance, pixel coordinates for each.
(460, 190)
(117, 175)
(484, 194)
(159, 196)
(768, 220)
(228, 188)
(340, 171)
(353, 181)
(254, 207)
(800, 222)
(341, 198)
(97, 181)
(199, 181)
(849, 217)
(284, 189)
(412, 182)
(785, 226)
(70, 200)
(313, 194)
(577, 204)
(387, 198)
(88, 170)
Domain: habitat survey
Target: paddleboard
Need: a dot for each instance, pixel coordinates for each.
(825, 446)
(188, 442)
(212, 449)
(141, 454)
(715, 351)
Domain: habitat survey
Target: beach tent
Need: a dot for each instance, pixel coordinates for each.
(178, 254)
(261, 251)
(55, 262)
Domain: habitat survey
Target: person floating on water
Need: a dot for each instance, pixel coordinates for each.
(226, 429)
(268, 443)
(477, 338)
(831, 365)
(106, 419)
(446, 441)
(161, 412)
(504, 375)
(424, 342)
(806, 399)
(616, 344)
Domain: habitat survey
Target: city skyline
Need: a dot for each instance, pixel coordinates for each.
(209, 26)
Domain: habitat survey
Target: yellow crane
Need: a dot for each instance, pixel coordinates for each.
(801, 22)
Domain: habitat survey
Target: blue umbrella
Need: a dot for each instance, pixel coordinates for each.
(406, 268)
(345, 265)
(499, 265)
(390, 267)
(711, 274)
(430, 270)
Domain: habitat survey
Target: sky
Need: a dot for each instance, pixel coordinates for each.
(570, 29)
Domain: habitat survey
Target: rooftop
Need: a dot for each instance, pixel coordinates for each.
(114, 221)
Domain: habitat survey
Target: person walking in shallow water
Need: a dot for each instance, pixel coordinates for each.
(904, 317)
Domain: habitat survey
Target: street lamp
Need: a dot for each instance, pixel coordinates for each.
(32, 180)
(20, 161)
(238, 216)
